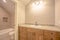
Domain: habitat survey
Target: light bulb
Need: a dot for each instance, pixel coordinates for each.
(4, 1)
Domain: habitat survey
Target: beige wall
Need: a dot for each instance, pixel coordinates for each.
(57, 12)
(45, 16)
(21, 13)
(3, 13)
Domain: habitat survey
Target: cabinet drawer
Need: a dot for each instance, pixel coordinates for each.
(40, 32)
(49, 33)
(49, 38)
(31, 30)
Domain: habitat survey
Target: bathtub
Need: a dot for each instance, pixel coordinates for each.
(7, 34)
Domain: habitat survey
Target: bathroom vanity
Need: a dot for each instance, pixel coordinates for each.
(33, 32)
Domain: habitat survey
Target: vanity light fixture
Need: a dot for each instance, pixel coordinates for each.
(38, 5)
(4, 1)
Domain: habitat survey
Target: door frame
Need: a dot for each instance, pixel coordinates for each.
(16, 20)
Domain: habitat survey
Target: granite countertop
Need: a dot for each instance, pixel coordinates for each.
(51, 28)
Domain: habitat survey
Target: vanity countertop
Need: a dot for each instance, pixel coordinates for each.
(51, 28)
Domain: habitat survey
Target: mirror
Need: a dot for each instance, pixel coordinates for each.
(41, 12)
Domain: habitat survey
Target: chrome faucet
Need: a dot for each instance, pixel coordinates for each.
(36, 23)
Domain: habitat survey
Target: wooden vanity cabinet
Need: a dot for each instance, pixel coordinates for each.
(37, 34)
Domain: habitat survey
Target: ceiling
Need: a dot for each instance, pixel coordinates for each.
(9, 6)
(25, 2)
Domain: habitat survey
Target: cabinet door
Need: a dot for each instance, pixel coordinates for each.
(49, 35)
(57, 36)
(23, 33)
(39, 34)
(34, 34)
(31, 35)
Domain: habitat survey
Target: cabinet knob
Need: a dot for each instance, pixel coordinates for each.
(51, 38)
(52, 33)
